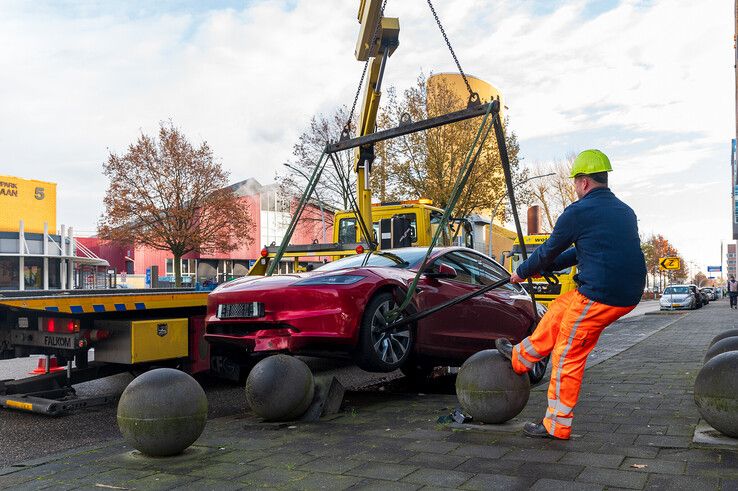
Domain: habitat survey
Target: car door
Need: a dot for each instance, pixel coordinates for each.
(458, 331)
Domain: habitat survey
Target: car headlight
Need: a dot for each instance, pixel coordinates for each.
(336, 279)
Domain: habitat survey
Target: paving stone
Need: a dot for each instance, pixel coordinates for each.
(709, 469)
(382, 455)
(681, 483)
(539, 470)
(629, 451)
(331, 466)
(654, 466)
(730, 484)
(491, 466)
(663, 441)
(213, 485)
(485, 451)
(440, 447)
(557, 485)
(497, 482)
(689, 455)
(287, 460)
(436, 461)
(225, 470)
(592, 459)
(272, 477)
(389, 472)
(320, 480)
(161, 481)
(534, 455)
(438, 477)
(640, 429)
(377, 485)
(613, 478)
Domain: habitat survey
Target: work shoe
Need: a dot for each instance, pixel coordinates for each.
(535, 430)
(505, 347)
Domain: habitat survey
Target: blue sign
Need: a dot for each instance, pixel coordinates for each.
(714, 269)
(148, 276)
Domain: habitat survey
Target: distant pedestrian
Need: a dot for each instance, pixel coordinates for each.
(733, 292)
(612, 274)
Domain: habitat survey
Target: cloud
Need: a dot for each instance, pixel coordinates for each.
(649, 82)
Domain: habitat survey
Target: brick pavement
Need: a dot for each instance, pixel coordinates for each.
(633, 430)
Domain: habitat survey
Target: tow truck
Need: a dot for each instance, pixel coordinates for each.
(125, 330)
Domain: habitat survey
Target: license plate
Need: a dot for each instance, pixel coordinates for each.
(44, 339)
(248, 310)
(675, 305)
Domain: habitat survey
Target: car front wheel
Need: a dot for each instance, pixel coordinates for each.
(382, 351)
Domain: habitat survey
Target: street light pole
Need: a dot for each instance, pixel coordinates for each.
(499, 202)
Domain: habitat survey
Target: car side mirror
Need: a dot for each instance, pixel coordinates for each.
(444, 271)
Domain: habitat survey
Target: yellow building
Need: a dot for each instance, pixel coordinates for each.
(33, 254)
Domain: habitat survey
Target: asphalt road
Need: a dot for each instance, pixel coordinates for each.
(26, 436)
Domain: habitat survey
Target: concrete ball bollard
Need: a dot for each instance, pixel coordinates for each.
(162, 412)
(722, 346)
(725, 334)
(716, 393)
(489, 390)
(280, 388)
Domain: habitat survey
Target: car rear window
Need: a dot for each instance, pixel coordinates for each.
(676, 290)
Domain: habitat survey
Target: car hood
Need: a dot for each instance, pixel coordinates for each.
(251, 283)
(675, 297)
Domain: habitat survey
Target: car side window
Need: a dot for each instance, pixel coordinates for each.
(463, 275)
(483, 270)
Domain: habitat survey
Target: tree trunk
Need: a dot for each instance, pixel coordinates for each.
(177, 270)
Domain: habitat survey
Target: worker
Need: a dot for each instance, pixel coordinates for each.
(610, 281)
(733, 291)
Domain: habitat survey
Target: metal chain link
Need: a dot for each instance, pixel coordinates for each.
(346, 133)
(473, 96)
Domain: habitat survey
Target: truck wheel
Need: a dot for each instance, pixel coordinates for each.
(382, 351)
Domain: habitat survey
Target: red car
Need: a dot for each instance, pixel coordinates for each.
(338, 307)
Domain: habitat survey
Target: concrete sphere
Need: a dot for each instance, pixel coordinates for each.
(725, 334)
(716, 393)
(722, 346)
(489, 390)
(280, 388)
(162, 412)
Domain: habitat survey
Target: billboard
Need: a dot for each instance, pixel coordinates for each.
(29, 200)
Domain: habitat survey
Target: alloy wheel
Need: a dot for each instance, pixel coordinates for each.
(389, 346)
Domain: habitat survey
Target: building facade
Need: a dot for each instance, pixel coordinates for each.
(730, 259)
(271, 213)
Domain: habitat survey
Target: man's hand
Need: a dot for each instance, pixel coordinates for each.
(516, 279)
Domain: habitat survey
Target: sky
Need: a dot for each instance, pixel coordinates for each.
(649, 82)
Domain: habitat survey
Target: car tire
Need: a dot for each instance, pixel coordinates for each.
(382, 352)
(539, 371)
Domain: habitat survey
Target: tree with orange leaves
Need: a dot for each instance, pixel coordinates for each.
(167, 194)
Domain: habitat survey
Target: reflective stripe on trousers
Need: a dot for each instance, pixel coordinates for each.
(568, 332)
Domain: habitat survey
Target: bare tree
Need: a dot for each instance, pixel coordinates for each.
(331, 188)
(166, 194)
(555, 192)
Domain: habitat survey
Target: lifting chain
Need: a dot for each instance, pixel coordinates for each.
(473, 96)
(346, 132)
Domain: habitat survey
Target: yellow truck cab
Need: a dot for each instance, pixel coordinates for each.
(420, 215)
(544, 291)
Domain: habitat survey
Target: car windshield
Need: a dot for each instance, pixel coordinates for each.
(398, 258)
(676, 290)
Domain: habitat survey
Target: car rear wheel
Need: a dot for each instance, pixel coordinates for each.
(380, 351)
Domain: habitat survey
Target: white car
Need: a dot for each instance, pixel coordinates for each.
(677, 297)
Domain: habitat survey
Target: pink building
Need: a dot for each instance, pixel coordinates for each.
(271, 213)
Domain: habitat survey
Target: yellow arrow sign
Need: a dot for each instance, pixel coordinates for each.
(669, 263)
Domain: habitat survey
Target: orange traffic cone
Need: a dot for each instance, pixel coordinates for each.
(53, 366)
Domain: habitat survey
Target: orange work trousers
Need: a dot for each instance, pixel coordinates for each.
(569, 330)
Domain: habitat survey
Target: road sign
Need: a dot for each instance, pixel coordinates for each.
(669, 263)
(714, 269)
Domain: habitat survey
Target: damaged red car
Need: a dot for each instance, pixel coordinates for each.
(341, 307)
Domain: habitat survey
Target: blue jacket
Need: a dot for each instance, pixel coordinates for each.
(607, 249)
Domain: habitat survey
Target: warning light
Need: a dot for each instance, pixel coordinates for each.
(70, 326)
(51, 326)
(359, 249)
(264, 252)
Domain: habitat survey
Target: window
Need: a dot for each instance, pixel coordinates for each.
(170, 266)
(347, 231)
(9, 273)
(33, 273)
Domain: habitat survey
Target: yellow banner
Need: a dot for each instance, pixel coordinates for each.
(29, 200)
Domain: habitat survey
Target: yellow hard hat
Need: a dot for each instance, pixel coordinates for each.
(590, 162)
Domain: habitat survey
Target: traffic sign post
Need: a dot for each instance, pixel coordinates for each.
(714, 269)
(669, 263)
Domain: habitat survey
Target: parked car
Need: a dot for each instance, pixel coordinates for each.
(339, 307)
(699, 298)
(678, 297)
(711, 292)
